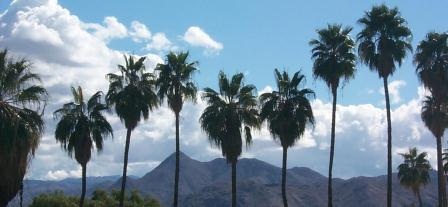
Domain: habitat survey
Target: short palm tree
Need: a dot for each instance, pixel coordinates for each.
(384, 42)
(175, 84)
(80, 124)
(414, 171)
(230, 113)
(334, 59)
(21, 125)
(287, 112)
(431, 59)
(132, 93)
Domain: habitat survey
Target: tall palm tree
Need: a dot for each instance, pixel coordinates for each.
(414, 171)
(80, 124)
(431, 59)
(230, 112)
(334, 59)
(287, 111)
(133, 95)
(384, 42)
(21, 123)
(436, 121)
(175, 84)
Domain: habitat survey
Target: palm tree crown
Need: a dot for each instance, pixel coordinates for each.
(431, 59)
(384, 39)
(230, 110)
(175, 80)
(132, 92)
(433, 118)
(21, 126)
(81, 124)
(414, 171)
(287, 111)
(333, 55)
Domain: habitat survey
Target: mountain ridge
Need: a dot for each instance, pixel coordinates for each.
(258, 184)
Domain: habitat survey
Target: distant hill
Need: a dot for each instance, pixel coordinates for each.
(258, 184)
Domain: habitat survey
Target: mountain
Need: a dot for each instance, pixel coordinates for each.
(258, 184)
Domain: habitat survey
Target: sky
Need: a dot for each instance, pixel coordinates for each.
(73, 43)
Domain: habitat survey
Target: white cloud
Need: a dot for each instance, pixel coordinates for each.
(84, 59)
(160, 42)
(197, 37)
(139, 32)
(394, 92)
(112, 29)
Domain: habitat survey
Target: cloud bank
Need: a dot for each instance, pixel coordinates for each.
(67, 51)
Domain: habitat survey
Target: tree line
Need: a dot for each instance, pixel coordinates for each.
(233, 111)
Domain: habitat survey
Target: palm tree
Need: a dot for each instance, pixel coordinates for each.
(80, 125)
(431, 59)
(414, 171)
(230, 113)
(287, 111)
(383, 43)
(334, 59)
(21, 124)
(133, 95)
(436, 121)
(176, 85)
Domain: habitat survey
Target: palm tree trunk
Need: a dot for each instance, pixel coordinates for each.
(84, 181)
(389, 145)
(125, 166)
(330, 167)
(176, 173)
(419, 198)
(21, 194)
(441, 180)
(285, 156)
(234, 183)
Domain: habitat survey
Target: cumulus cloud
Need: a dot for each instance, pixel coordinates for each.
(84, 58)
(139, 32)
(112, 29)
(160, 42)
(394, 91)
(197, 37)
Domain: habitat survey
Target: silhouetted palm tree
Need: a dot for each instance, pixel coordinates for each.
(334, 59)
(383, 43)
(414, 171)
(287, 112)
(80, 125)
(230, 113)
(133, 95)
(431, 59)
(436, 121)
(175, 84)
(21, 126)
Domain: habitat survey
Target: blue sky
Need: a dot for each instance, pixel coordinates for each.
(78, 42)
(259, 36)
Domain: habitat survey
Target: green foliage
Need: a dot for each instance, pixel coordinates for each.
(100, 198)
(82, 123)
(431, 59)
(132, 93)
(333, 55)
(21, 123)
(288, 110)
(175, 80)
(384, 39)
(55, 199)
(414, 171)
(230, 113)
